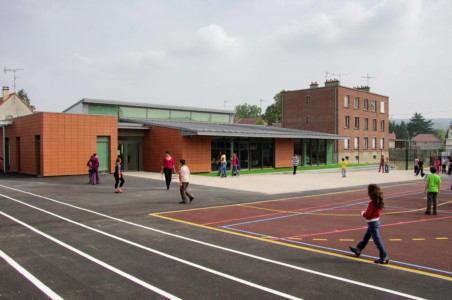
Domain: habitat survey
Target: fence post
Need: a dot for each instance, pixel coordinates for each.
(406, 155)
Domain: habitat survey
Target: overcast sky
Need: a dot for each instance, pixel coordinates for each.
(219, 54)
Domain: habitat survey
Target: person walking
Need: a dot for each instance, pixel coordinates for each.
(449, 170)
(295, 161)
(119, 176)
(416, 166)
(420, 168)
(432, 189)
(90, 169)
(382, 164)
(95, 169)
(184, 180)
(235, 165)
(372, 215)
(223, 164)
(168, 168)
(444, 165)
(437, 164)
(344, 168)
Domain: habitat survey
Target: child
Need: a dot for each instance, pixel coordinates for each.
(184, 180)
(432, 189)
(295, 161)
(372, 215)
(387, 165)
(344, 168)
(235, 165)
(119, 176)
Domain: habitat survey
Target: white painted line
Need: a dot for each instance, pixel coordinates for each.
(95, 260)
(226, 249)
(233, 278)
(45, 289)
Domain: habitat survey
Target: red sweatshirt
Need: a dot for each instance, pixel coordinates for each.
(372, 213)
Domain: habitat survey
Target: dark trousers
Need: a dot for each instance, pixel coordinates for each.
(184, 191)
(432, 200)
(168, 174)
(117, 180)
(95, 176)
(294, 170)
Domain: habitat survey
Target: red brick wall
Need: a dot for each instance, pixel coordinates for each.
(67, 141)
(283, 153)
(195, 150)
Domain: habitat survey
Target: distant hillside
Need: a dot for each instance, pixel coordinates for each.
(441, 123)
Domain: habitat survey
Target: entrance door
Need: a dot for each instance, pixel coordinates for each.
(132, 157)
(103, 153)
(243, 156)
(130, 152)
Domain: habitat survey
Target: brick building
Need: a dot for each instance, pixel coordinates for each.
(353, 112)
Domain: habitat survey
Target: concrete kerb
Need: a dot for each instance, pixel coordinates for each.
(280, 183)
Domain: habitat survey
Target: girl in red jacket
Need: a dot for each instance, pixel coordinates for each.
(372, 215)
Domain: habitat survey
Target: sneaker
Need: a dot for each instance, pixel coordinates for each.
(382, 261)
(427, 213)
(355, 250)
(192, 198)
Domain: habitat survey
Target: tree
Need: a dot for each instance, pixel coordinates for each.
(418, 125)
(400, 130)
(273, 113)
(22, 94)
(247, 111)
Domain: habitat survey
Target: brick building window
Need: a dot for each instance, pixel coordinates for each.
(356, 122)
(382, 125)
(356, 142)
(366, 143)
(382, 107)
(374, 143)
(366, 123)
(347, 101)
(373, 105)
(356, 103)
(366, 104)
(308, 119)
(347, 144)
(308, 99)
(347, 122)
(382, 143)
(374, 124)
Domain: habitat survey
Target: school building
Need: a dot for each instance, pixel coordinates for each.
(354, 112)
(55, 144)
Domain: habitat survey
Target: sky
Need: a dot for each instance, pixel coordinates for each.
(220, 54)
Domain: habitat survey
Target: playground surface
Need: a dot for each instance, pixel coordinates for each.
(252, 237)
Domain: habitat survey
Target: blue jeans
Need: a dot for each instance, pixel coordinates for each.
(372, 231)
(344, 172)
(223, 169)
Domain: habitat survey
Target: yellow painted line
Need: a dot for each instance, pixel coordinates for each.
(295, 239)
(347, 240)
(269, 209)
(418, 239)
(305, 248)
(395, 240)
(315, 239)
(441, 238)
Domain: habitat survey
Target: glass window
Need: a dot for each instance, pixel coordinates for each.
(154, 113)
(356, 104)
(308, 99)
(356, 122)
(180, 115)
(374, 143)
(382, 107)
(347, 122)
(366, 123)
(308, 119)
(219, 118)
(347, 101)
(382, 125)
(356, 142)
(132, 112)
(99, 109)
(374, 124)
(374, 105)
(366, 143)
(382, 143)
(200, 117)
(347, 144)
(366, 104)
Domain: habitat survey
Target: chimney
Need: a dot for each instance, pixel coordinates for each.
(332, 82)
(364, 88)
(314, 85)
(5, 93)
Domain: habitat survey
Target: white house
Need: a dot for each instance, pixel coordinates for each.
(12, 106)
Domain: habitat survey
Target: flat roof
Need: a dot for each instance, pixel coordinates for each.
(234, 130)
(148, 105)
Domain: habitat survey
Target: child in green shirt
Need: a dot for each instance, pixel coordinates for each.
(432, 189)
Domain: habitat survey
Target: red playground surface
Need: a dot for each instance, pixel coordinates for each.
(329, 223)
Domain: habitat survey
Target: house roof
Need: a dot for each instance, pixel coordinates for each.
(234, 130)
(248, 120)
(425, 138)
(148, 105)
(392, 136)
(10, 96)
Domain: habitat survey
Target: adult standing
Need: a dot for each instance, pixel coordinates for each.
(420, 167)
(90, 169)
(184, 180)
(95, 169)
(416, 166)
(119, 176)
(437, 164)
(223, 164)
(235, 165)
(168, 168)
(382, 164)
(295, 161)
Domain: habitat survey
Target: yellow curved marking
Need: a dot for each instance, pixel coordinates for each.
(287, 244)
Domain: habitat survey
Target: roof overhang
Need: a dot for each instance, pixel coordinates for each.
(5, 123)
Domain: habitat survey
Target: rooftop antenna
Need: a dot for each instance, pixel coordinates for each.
(338, 75)
(5, 69)
(261, 104)
(224, 104)
(368, 77)
(327, 74)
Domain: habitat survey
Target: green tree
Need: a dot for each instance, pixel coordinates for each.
(418, 125)
(440, 134)
(22, 94)
(401, 131)
(273, 113)
(247, 111)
